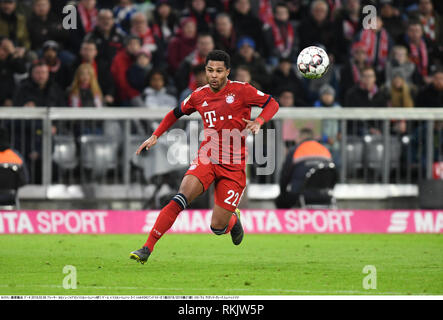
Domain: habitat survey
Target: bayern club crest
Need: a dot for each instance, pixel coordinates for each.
(230, 98)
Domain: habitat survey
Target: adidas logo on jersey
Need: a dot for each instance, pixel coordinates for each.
(205, 104)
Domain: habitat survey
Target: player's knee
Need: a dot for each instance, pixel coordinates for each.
(219, 231)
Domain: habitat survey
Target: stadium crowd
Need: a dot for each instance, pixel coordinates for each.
(146, 53)
(151, 53)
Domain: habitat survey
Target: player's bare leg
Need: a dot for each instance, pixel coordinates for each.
(224, 221)
(190, 188)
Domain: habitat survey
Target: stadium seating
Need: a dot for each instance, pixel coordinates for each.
(354, 153)
(11, 180)
(65, 152)
(317, 188)
(374, 153)
(99, 153)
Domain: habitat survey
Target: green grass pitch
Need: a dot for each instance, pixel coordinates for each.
(205, 264)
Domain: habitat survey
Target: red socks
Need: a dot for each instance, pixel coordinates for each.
(164, 222)
(231, 223)
(167, 217)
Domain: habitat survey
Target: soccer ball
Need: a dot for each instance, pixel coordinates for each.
(313, 62)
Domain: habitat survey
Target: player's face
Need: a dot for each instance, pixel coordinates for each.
(216, 74)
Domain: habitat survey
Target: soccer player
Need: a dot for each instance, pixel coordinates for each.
(225, 108)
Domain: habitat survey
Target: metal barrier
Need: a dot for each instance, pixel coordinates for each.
(89, 145)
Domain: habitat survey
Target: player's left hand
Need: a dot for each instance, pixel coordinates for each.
(253, 126)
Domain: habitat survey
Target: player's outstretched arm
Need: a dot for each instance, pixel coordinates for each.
(170, 118)
(149, 143)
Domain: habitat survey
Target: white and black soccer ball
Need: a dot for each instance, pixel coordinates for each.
(313, 62)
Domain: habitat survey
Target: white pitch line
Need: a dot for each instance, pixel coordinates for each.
(320, 292)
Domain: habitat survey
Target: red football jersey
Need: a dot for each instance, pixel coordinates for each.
(222, 113)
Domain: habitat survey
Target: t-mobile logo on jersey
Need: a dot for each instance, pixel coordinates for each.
(210, 118)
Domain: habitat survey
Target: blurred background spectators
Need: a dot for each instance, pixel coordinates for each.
(152, 52)
(264, 36)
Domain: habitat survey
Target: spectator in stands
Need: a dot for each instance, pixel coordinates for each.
(86, 22)
(378, 44)
(316, 28)
(198, 10)
(89, 54)
(108, 39)
(39, 90)
(156, 95)
(12, 62)
(248, 56)
(225, 36)
(399, 92)
(432, 95)
(399, 62)
(365, 94)
(350, 73)
(199, 73)
(419, 52)
(284, 78)
(85, 90)
(184, 77)
(141, 29)
(289, 130)
(44, 25)
(138, 72)
(8, 155)
(247, 24)
(242, 74)
(299, 160)
(431, 21)
(182, 44)
(392, 20)
(347, 23)
(13, 24)
(283, 35)
(123, 13)
(120, 65)
(59, 71)
(330, 132)
(164, 22)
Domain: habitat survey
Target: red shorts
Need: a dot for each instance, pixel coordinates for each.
(229, 185)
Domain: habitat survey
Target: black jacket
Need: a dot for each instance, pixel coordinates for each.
(41, 31)
(311, 34)
(430, 97)
(106, 47)
(51, 96)
(8, 68)
(358, 98)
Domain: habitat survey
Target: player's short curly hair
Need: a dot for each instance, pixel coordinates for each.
(219, 55)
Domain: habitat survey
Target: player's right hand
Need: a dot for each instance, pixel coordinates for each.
(147, 144)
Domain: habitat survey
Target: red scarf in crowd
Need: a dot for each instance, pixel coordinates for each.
(88, 17)
(147, 36)
(350, 28)
(196, 60)
(265, 12)
(283, 38)
(355, 73)
(369, 38)
(419, 56)
(428, 27)
(333, 5)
